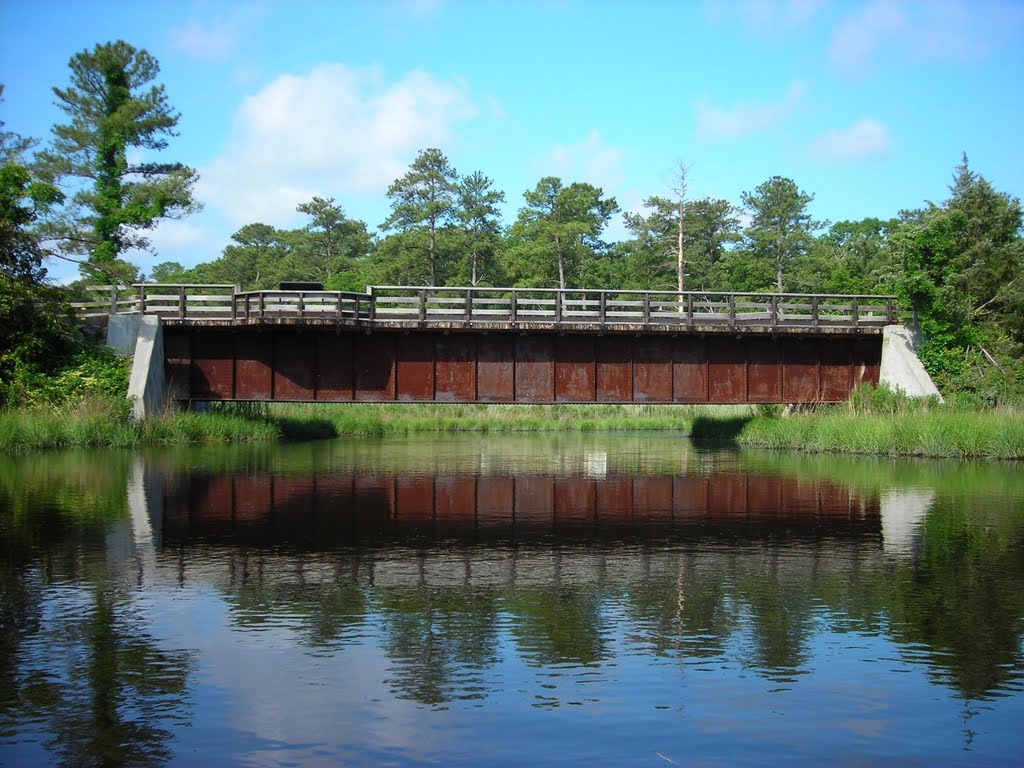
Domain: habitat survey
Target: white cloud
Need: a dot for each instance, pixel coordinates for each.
(861, 32)
(764, 16)
(743, 118)
(865, 138)
(943, 30)
(217, 39)
(591, 161)
(333, 131)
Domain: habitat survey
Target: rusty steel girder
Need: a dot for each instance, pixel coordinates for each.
(324, 365)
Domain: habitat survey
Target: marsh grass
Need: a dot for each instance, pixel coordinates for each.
(939, 432)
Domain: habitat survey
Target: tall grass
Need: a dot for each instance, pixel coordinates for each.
(878, 422)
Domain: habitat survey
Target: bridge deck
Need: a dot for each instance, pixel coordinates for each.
(509, 309)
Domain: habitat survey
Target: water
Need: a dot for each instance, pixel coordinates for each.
(611, 600)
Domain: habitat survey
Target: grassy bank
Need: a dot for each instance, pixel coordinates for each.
(869, 424)
(97, 422)
(936, 432)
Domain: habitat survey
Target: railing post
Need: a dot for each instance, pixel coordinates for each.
(181, 302)
(689, 310)
(113, 299)
(732, 310)
(340, 315)
(603, 301)
(856, 313)
(373, 306)
(558, 307)
(890, 311)
(234, 299)
(142, 299)
(775, 311)
(302, 305)
(514, 307)
(814, 311)
(262, 305)
(647, 309)
(469, 305)
(248, 307)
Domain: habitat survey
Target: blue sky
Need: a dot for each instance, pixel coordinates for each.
(866, 105)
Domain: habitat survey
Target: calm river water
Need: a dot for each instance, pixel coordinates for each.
(602, 600)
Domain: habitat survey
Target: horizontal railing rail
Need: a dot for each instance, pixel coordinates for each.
(386, 305)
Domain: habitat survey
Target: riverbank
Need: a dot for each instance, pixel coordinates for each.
(937, 432)
(97, 423)
(914, 429)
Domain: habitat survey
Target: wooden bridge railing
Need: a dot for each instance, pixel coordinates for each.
(447, 307)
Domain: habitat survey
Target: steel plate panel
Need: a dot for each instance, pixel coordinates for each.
(690, 496)
(294, 366)
(615, 501)
(799, 371)
(177, 364)
(574, 369)
(455, 368)
(455, 498)
(535, 501)
(764, 370)
(614, 369)
(334, 380)
(652, 499)
(495, 369)
(799, 498)
(836, 372)
(414, 498)
(833, 501)
(535, 379)
(652, 369)
(414, 367)
(575, 498)
(252, 497)
(764, 496)
(495, 501)
(689, 370)
(374, 363)
(212, 370)
(254, 366)
(866, 358)
(727, 369)
(727, 496)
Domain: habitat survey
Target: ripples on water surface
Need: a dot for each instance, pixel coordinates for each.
(509, 601)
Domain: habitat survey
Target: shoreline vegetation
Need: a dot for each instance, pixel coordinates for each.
(873, 422)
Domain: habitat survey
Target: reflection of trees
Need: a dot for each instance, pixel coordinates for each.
(687, 615)
(439, 640)
(117, 692)
(558, 624)
(76, 659)
(963, 598)
(322, 613)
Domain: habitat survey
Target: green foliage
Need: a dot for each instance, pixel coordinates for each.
(113, 111)
(423, 207)
(960, 267)
(558, 231)
(781, 227)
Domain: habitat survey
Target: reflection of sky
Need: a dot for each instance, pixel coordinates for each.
(262, 697)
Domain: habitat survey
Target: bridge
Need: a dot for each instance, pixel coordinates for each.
(509, 345)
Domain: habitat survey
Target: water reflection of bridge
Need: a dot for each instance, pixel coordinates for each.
(332, 510)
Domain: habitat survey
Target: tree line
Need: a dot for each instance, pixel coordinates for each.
(954, 265)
